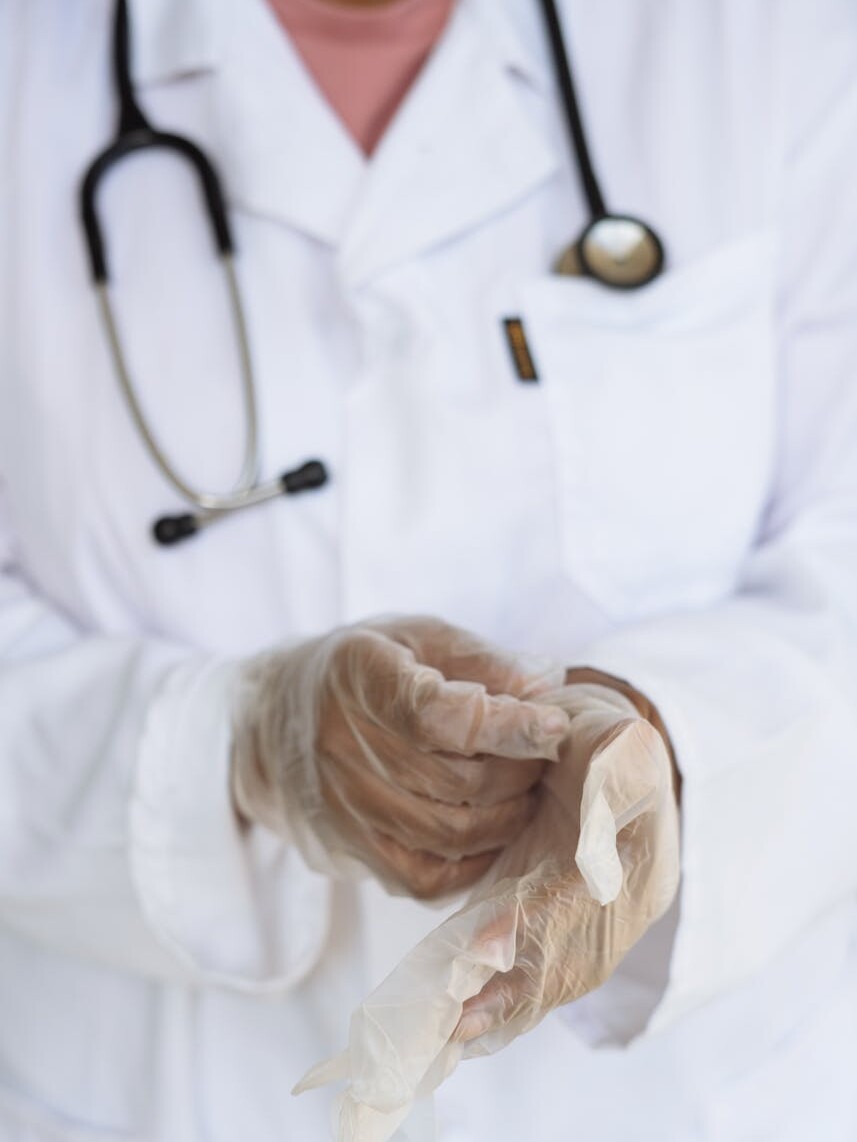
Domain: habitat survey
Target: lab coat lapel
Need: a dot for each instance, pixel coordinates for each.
(171, 40)
(281, 152)
(286, 156)
(462, 148)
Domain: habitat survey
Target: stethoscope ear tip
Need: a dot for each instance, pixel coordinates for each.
(170, 529)
(312, 474)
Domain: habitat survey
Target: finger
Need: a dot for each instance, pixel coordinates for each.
(369, 674)
(510, 728)
(461, 656)
(506, 996)
(460, 717)
(421, 823)
(376, 679)
(479, 780)
(636, 770)
(457, 780)
(425, 875)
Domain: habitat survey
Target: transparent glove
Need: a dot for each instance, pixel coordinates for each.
(554, 917)
(575, 917)
(402, 746)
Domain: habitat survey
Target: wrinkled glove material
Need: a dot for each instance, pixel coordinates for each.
(403, 747)
(558, 911)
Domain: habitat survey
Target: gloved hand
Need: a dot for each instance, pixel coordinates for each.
(574, 914)
(402, 745)
(559, 909)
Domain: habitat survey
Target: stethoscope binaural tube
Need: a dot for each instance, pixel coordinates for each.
(134, 133)
(617, 250)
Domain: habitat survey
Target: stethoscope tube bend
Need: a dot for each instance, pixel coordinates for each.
(135, 134)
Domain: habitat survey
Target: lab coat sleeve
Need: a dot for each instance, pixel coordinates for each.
(117, 837)
(759, 693)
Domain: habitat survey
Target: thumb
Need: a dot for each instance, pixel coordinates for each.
(462, 656)
(460, 717)
(623, 781)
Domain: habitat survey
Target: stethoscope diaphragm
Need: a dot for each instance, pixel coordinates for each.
(616, 250)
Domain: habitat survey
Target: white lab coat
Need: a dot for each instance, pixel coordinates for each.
(675, 501)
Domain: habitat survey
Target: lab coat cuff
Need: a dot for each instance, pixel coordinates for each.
(234, 904)
(658, 980)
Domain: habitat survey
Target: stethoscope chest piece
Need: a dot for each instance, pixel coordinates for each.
(616, 250)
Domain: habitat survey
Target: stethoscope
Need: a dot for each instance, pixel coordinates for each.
(617, 250)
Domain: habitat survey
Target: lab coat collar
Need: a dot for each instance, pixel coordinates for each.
(461, 148)
(285, 155)
(174, 38)
(180, 37)
(517, 32)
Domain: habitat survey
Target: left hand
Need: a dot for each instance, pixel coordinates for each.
(574, 913)
(406, 746)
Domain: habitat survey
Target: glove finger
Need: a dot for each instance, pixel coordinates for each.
(632, 768)
(424, 875)
(422, 823)
(482, 779)
(369, 676)
(457, 780)
(461, 656)
(624, 780)
(375, 679)
(629, 777)
(507, 996)
(460, 717)
(560, 936)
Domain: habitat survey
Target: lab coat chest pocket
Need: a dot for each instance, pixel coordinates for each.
(660, 404)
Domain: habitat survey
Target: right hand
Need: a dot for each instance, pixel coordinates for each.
(599, 865)
(408, 745)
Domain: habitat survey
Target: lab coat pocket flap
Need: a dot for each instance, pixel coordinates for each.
(703, 294)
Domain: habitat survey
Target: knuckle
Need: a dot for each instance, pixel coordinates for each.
(426, 879)
(459, 829)
(473, 780)
(346, 649)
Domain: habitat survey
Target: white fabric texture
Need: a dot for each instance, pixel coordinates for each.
(673, 501)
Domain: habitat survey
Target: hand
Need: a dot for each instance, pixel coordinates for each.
(573, 914)
(557, 912)
(407, 745)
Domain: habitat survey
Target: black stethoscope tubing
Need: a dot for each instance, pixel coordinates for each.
(619, 251)
(571, 109)
(135, 133)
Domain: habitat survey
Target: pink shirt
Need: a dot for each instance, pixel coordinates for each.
(364, 59)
